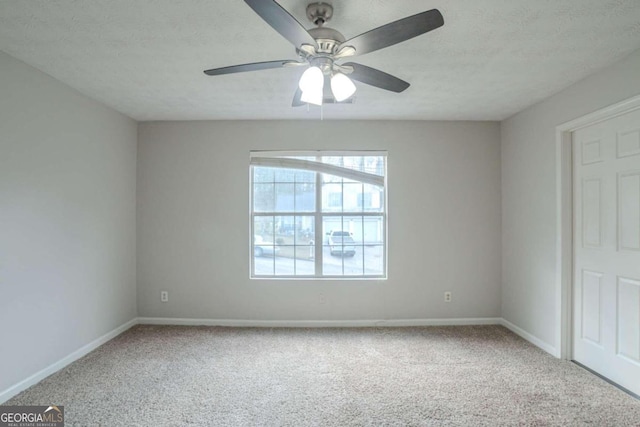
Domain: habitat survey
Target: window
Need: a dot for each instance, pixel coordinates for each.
(335, 200)
(318, 214)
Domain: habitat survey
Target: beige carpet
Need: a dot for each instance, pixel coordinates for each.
(431, 376)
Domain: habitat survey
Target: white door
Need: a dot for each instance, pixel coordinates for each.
(606, 277)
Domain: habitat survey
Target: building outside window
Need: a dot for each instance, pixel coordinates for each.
(318, 214)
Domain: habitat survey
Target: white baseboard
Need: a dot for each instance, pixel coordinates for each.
(316, 323)
(53, 368)
(531, 338)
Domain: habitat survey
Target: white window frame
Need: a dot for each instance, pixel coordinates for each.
(275, 159)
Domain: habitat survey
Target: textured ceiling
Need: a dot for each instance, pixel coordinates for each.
(145, 58)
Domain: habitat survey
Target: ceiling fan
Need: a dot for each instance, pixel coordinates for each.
(323, 48)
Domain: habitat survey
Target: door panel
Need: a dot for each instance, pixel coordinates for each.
(629, 211)
(591, 309)
(606, 290)
(629, 318)
(592, 213)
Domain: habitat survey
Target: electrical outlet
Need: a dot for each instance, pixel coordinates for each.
(447, 296)
(164, 296)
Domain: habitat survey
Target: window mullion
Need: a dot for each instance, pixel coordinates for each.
(318, 250)
(252, 258)
(295, 236)
(273, 223)
(342, 218)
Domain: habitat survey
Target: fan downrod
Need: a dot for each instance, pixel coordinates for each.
(319, 13)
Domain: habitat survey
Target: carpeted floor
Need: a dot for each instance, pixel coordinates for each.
(422, 376)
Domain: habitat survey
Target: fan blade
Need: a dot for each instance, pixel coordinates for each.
(254, 66)
(376, 78)
(297, 102)
(396, 32)
(282, 22)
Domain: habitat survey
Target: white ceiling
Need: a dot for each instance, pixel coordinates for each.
(145, 58)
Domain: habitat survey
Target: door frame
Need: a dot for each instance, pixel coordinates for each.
(564, 218)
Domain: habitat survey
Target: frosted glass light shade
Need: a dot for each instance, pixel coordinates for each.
(312, 80)
(342, 87)
(312, 97)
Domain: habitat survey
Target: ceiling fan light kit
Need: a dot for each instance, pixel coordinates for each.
(312, 85)
(322, 47)
(342, 87)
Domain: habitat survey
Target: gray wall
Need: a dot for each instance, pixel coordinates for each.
(67, 220)
(529, 194)
(444, 221)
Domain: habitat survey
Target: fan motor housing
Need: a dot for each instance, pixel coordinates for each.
(328, 39)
